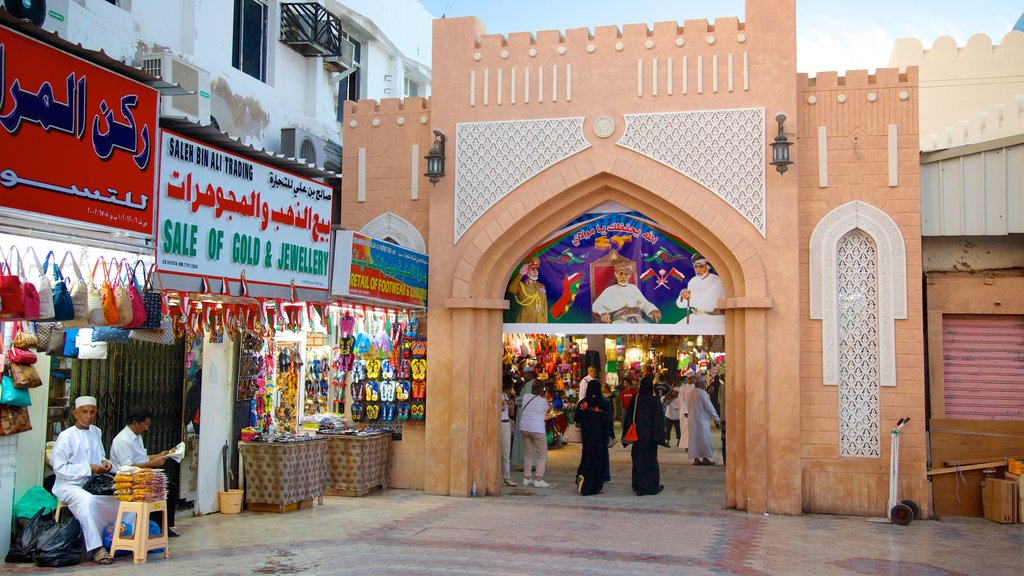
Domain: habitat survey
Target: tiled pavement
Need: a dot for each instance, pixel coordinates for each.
(683, 530)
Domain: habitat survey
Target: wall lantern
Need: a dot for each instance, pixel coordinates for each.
(780, 148)
(435, 158)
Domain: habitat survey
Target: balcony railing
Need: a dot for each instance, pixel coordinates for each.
(311, 30)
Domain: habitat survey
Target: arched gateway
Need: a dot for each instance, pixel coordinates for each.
(673, 122)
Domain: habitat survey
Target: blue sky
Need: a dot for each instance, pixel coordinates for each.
(831, 35)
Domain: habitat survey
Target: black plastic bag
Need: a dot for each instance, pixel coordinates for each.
(100, 485)
(60, 544)
(28, 535)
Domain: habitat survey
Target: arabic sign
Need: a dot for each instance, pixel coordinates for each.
(76, 139)
(221, 215)
(619, 269)
(378, 270)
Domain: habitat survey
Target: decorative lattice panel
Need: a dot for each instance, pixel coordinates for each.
(857, 293)
(723, 150)
(494, 158)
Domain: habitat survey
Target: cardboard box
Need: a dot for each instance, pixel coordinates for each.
(999, 498)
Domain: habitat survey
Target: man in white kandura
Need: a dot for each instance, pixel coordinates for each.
(701, 294)
(622, 302)
(127, 449)
(77, 455)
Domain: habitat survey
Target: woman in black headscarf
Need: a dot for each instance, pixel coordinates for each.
(650, 431)
(594, 415)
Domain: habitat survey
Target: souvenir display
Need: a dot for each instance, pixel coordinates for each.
(133, 484)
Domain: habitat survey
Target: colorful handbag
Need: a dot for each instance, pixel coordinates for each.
(14, 420)
(163, 335)
(135, 293)
(25, 376)
(22, 356)
(79, 292)
(110, 334)
(71, 343)
(111, 315)
(151, 301)
(89, 349)
(12, 396)
(51, 338)
(22, 338)
(63, 307)
(12, 294)
(29, 293)
(95, 300)
(122, 299)
(43, 287)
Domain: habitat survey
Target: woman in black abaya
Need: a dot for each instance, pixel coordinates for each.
(650, 431)
(594, 415)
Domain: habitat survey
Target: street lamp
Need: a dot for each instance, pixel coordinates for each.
(780, 147)
(435, 158)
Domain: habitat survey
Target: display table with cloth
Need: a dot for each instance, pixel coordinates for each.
(283, 476)
(358, 464)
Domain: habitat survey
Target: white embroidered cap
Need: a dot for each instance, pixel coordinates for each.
(85, 401)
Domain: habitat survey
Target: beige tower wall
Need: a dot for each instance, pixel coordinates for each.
(853, 131)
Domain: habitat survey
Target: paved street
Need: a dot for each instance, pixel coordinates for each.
(684, 530)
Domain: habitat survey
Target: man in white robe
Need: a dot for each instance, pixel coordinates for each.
(701, 294)
(622, 302)
(702, 413)
(77, 455)
(127, 449)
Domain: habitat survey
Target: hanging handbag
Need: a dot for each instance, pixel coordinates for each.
(164, 335)
(95, 298)
(17, 354)
(12, 294)
(22, 338)
(63, 307)
(25, 376)
(122, 299)
(111, 315)
(630, 436)
(135, 294)
(14, 420)
(71, 342)
(79, 291)
(151, 301)
(51, 338)
(29, 293)
(12, 396)
(110, 334)
(88, 349)
(43, 287)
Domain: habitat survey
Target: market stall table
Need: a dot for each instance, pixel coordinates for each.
(358, 464)
(283, 476)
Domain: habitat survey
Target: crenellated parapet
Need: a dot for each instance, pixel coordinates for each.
(383, 188)
(554, 69)
(859, 131)
(859, 101)
(969, 94)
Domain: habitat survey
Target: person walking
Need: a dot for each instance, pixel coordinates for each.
(649, 419)
(597, 426)
(529, 378)
(508, 408)
(701, 415)
(673, 409)
(534, 434)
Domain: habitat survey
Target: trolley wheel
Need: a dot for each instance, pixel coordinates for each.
(901, 514)
(913, 507)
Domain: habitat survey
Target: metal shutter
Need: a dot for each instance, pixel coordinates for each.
(984, 366)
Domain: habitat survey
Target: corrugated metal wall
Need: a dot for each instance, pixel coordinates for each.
(983, 357)
(977, 194)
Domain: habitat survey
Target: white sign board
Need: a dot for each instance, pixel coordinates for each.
(220, 215)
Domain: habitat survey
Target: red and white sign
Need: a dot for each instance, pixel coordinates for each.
(79, 142)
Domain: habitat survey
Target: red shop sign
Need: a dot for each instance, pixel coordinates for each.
(77, 141)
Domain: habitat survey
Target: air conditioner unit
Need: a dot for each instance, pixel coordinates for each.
(170, 68)
(302, 145)
(343, 62)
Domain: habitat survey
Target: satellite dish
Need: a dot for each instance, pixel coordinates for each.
(32, 10)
